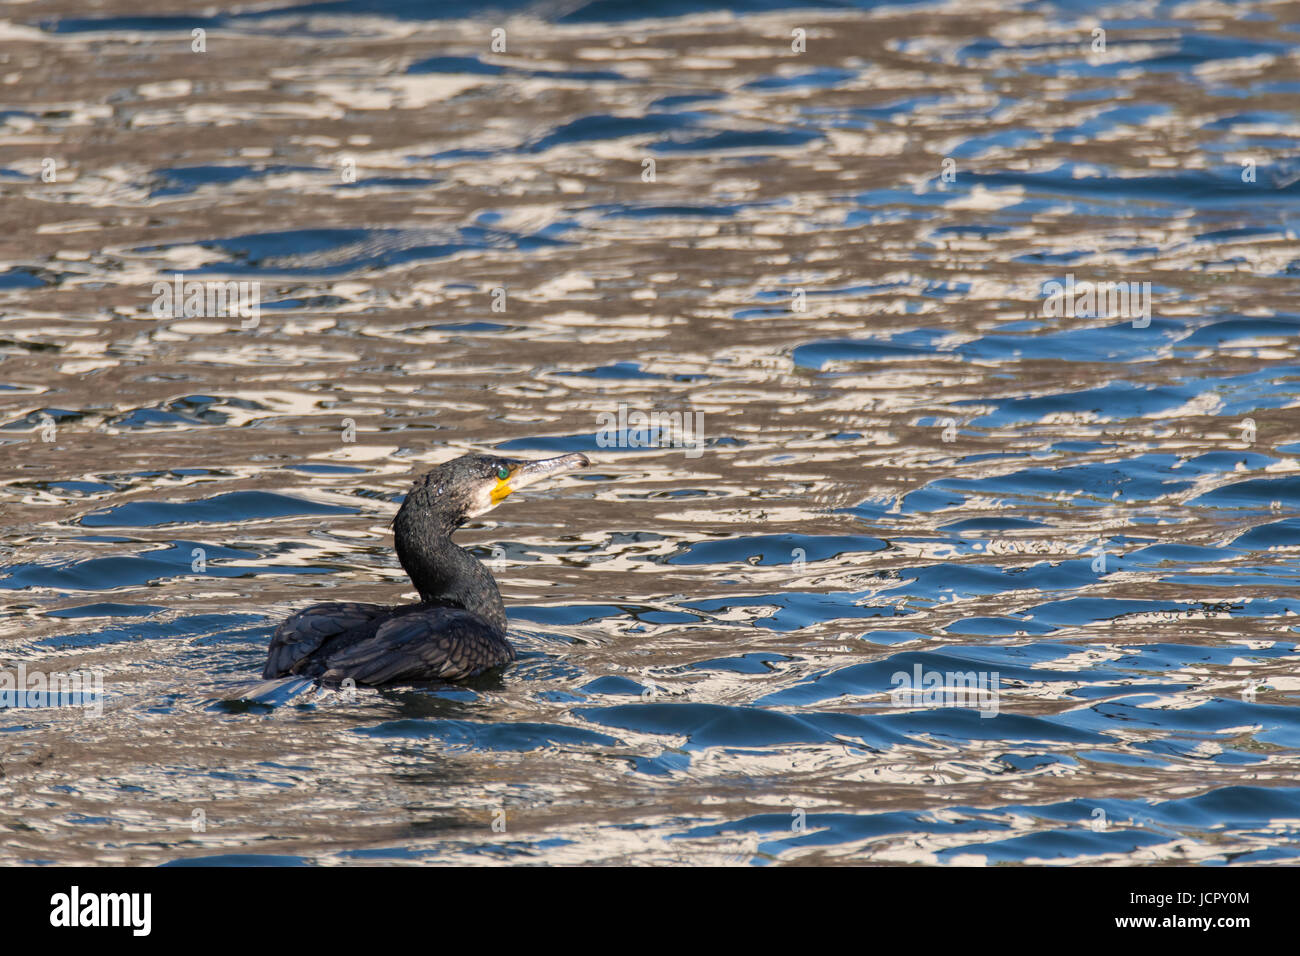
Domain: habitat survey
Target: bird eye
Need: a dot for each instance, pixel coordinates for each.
(503, 472)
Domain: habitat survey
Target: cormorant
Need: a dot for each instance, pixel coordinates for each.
(458, 628)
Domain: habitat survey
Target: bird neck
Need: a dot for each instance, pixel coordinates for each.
(444, 573)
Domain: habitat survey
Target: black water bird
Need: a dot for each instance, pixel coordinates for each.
(458, 628)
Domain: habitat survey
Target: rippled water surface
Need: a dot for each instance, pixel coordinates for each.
(911, 464)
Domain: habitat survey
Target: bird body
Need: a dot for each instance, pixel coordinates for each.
(458, 628)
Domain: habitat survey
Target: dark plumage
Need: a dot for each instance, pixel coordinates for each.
(458, 629)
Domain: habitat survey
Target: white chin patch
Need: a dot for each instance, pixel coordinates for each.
(482, 503)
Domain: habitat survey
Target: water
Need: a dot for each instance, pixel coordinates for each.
(918, 465)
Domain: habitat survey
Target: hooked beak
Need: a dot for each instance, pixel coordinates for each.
(525, 473)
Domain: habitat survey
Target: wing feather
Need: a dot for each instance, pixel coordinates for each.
(301, 636)
(438, 643)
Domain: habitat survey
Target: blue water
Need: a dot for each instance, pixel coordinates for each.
(911, 463)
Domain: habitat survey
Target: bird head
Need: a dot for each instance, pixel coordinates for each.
(472, 485)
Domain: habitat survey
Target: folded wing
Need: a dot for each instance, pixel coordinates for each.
(434, 643)
(297, 642)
